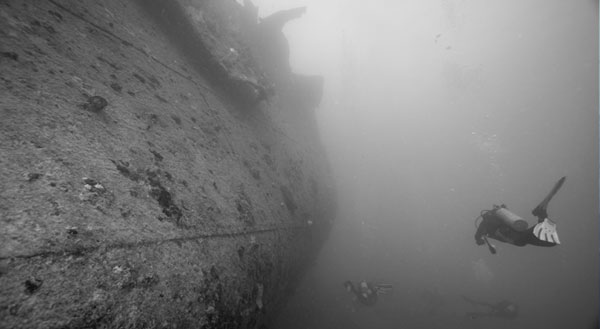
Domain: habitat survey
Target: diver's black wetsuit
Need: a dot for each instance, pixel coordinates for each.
(494, 228)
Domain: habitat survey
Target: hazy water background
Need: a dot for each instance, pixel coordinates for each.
(433, 111)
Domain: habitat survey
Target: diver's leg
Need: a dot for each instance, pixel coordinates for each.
(541, 210)
(544, 232)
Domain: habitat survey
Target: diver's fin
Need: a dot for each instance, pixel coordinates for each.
(546, 231)
(384, 288)
(540, 210)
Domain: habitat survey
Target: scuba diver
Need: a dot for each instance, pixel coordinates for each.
(504, 226)
(503, 309)
(367, 292)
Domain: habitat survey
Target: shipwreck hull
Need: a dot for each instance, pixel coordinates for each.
(137, 189)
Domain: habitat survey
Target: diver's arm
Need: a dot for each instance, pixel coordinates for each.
(488, 227)
(481, 232)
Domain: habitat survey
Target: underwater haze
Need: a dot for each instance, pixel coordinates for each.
(434, 111)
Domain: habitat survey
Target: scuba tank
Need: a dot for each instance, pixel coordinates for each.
(510, 219)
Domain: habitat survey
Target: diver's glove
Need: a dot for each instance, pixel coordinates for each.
(546, 231)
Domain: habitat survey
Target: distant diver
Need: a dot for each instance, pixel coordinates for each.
(503, 309)
(367, 292)
(504, 226)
